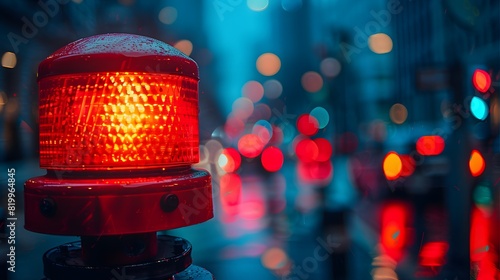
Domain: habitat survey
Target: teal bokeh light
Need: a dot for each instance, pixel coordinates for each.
(479, 108)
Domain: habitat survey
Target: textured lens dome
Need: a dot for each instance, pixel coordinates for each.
(113, 114)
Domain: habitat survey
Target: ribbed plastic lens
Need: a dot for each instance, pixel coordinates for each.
(119, 120)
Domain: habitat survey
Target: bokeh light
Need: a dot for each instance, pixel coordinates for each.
(408, 165)
(268, 64)
(482, 195)
(316, 172)
(250, 145)
(430, 145)
(257, 5)
(433, 254)
(9, 60)
(479, 108)
(261, 112)
(377, 130)
(330, 67)
(184, 46)
(272, 159)
(234, 126)
(274, 258)
(307, 124)
(306, 150)
(3, 100)
(321, 115)
(481, 80)
(204, 156)
(324, 149)
(253, 90)
(392, 166)
(380, 43)
(230, 193)
(398, 113)
(395, 216)
(167, 15)
(288, 131)
(214, 148)
(476, 163)
(480, 229)
(263, 130)
(272, 89)
(312, 81)
(384, 273)
(243, 108)
(229, 160)
(278, 137)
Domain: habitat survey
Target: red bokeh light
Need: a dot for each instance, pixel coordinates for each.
(234, 126)
(481, 80)
(479, 234)
(307, 124)
(252, 207)
(250, 145)
(408, 165)
(324, 149)
(272, 159)
(315, 172)
(230, 194)
(307, 150)
(394, 234)
(430, 145)
(277, 138)
(229, 160)
(433, 254)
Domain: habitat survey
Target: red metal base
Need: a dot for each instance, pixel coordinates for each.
(117, 205)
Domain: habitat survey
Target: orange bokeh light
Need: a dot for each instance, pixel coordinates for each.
(392, 166)
(268, 64)
(481, 80)
(476, 163)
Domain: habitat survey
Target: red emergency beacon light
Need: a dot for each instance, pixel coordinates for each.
(118, 135)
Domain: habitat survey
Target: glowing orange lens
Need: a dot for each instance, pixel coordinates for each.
(118, 121)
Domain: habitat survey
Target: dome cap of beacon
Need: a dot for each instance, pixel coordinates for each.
(118, 52)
